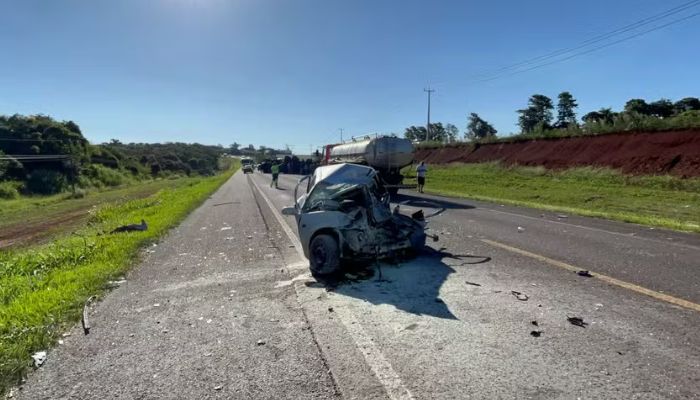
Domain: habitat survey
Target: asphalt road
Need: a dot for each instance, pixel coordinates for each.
(187, 322)
(446, 338)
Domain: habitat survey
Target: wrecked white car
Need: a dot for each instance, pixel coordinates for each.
(344, 214)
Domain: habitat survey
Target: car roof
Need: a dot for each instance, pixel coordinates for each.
(345, 173)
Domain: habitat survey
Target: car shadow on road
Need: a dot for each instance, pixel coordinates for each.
(412, 286)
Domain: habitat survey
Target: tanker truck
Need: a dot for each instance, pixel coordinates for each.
(386, 154)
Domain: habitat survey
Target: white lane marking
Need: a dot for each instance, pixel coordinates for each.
(380, 366)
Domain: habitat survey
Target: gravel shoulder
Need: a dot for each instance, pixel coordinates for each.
(206, 314)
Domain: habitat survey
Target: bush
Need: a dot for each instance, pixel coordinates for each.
(102, 176)
(8, 190)
(43, 181)
(78, 194)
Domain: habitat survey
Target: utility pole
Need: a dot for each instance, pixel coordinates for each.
(427, 128)
(341, 134)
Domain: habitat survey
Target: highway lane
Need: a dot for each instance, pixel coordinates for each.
(657, 259)
(446, 338)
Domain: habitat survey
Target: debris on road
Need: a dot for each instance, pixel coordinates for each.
(260, 342)
(472, 283)
(585, 273)
(131, 227)
(578, 321)
(562, 216)
(39, 358)
(536, 333)
(86, 322)
(519, 296)
(115, 284)
(521, 229)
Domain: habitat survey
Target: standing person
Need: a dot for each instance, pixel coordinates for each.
(420, 171)
(275, 169)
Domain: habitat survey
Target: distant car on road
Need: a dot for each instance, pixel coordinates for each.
(344, 214)
(247, 165)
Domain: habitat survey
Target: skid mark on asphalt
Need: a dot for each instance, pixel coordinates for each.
(374, 357)
(605, 278)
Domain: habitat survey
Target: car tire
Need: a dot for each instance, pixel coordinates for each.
(324, 255)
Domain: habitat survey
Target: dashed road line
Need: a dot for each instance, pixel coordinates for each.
(605, 278)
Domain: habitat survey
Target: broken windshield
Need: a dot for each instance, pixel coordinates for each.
(327, 194)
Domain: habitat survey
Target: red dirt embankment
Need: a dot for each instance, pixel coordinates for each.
(672, 152)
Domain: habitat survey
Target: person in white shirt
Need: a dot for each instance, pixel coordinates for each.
(420, 171)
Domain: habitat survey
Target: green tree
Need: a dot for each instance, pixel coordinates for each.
(638, 106)
(538, 113)
(566, 114)
(438, 133)
(662, 108)
(415, 133)
(478, 129)
(452, 132)
(687, 104)
(235, 148)
(604, 115)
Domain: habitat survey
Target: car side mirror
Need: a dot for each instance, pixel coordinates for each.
(289, 211)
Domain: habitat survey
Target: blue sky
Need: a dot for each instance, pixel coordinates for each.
(276, 72)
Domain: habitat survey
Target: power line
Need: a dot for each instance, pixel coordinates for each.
(600, 38)
(590, 50)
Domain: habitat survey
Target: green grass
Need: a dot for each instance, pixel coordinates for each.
(40, 207)
(661, 201)
(43, 288)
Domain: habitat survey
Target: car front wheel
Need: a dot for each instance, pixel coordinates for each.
(324, 255)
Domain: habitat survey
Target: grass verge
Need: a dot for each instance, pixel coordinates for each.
(43, 288)
(661, 201)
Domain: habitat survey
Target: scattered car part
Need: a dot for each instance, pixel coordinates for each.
(86, 322)
(519, 296)
(132, 227)
(39, 358)
(577, 321)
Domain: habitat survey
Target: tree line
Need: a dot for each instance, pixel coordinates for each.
(40, 155)
(541, 117)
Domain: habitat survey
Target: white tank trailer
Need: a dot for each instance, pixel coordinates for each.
(386, 154)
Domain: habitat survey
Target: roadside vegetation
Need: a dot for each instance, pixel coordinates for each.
(43, 288)
(538, 120)
(660, 201)
(42, 156)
